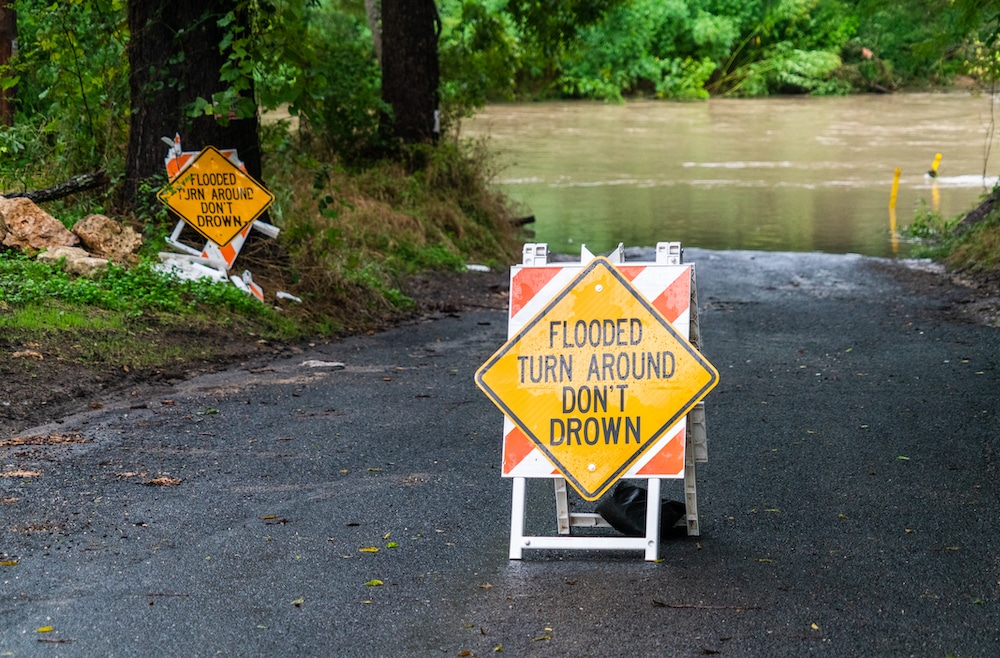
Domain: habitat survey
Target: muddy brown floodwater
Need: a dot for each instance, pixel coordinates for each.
(775, 174)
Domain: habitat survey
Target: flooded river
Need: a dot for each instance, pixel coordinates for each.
(789, 174)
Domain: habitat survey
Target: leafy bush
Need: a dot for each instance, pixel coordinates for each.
(72, 90)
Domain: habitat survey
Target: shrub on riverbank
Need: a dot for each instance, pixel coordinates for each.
(970, 243)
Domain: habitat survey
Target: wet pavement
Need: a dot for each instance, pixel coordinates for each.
(849, 506)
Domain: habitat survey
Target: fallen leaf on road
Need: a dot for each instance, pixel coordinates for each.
(44, 629)
(132, 474)
(8, 501)
(268, 517)
(486, 586)
(392, 544)
(814, 627)
(298, 602)
(541, 638)
(9, 563)
(20, 474)
(374, 583)
(163, 481)
(51, 439)
(369, 549)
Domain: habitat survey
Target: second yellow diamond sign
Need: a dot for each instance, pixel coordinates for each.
(595, 377)
(215, 197)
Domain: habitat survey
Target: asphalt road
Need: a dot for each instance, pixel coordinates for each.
(849, 506)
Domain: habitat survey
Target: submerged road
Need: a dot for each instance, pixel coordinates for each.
(849, 506)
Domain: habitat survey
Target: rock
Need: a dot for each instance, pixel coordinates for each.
(26, 226)
(78, 261)
(103, 236)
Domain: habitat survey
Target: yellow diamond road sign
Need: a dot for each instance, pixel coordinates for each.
(596, 377)
(215, 197)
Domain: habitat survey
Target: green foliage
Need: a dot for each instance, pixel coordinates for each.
(352, 237)
(662, 47)
(682, 49)
(974, 249)
(318, 59)
(72, 90)
(977, 250)
(479, 57)
(133, 291)
(792, 46)
(931, 234)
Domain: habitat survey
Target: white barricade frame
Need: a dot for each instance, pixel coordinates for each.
(669, 285)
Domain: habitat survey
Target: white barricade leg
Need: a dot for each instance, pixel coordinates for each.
(691, 490)
(652, 519)
(562, 506)
(517, 519)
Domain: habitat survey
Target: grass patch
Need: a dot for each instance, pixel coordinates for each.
(975, 249)
(101, 337)
(350, 237)
(45, 318)
(978, 249)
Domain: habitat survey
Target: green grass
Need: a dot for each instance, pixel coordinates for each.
(41, 318)
(975, 249)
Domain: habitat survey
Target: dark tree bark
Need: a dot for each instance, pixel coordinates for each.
(410, 73)
(8, 37)
(174, 58)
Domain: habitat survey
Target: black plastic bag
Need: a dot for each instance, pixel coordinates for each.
(625, 510)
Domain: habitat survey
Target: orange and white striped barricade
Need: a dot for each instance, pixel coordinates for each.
(212, 255)
(670, 452)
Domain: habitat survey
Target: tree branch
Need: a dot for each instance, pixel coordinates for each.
(75, 184)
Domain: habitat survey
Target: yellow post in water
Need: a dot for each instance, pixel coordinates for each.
(895, 190)
(934, 167)
(893, 236)
(935, 194)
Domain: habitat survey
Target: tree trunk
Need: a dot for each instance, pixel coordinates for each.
(410, 72)
(8, 41)
(174, 58)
